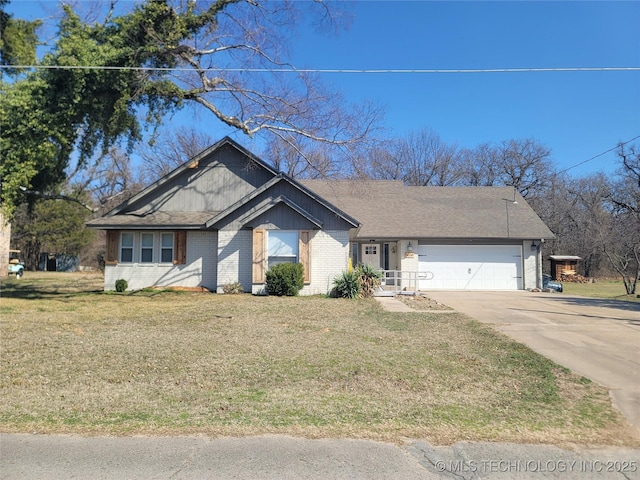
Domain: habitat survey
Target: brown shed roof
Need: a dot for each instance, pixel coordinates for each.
(388, 209)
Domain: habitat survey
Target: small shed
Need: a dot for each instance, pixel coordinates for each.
(563, 265)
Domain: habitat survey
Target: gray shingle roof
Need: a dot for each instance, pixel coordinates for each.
(150, 220)
(388, 209)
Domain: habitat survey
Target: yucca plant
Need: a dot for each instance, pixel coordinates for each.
(370, 279)
(347, 285)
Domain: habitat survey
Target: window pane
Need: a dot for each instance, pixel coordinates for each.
(127, 240)
(283, 244)
(167, 255)
(147, 240)
(127, 255)
(167, 240)
(146, 255)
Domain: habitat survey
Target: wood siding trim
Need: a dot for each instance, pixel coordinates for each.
(305, 254)
(113, 239)
(180, 247)
(259, 256)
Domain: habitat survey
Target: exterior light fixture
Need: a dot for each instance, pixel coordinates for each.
(410, 248)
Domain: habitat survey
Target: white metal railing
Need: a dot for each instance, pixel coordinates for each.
(400, 281)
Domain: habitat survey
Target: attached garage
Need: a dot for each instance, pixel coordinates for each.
(466, 267)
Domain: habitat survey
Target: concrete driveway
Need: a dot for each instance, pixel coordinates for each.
(599, 339)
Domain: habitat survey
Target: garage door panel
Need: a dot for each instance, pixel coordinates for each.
(478, 267)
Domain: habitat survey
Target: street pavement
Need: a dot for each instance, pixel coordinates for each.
(56, 457)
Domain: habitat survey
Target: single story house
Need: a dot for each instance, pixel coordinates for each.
(225, 216)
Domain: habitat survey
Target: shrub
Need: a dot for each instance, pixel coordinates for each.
(363, 281)
(121, 285)
(347, 285)
(370, 279)
(285, 279)
(233, 288)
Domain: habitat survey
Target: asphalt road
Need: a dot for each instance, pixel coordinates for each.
(599, 339)
(55, 457)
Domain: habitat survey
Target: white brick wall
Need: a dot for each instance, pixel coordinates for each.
(530, 266)
(199, 271)
(215, 259)
(235, 257)
(329, 256)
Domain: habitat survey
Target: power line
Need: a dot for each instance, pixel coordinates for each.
(599, 155)
(328, 70)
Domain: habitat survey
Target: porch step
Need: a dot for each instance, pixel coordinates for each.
(384, 293)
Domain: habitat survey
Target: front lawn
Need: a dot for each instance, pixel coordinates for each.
(600, 288)
(77, 360)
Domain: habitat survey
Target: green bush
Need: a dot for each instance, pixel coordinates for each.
(285, 279)
(233, 288)
(121, 285)
(362, 281)
(347, 285)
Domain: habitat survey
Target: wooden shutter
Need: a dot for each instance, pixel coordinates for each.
(112, 247)
(180, 247)
(305, 254)
(259, 258)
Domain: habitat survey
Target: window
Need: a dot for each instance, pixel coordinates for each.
(354, 253)
(126, 247)
(166, 248)
(371, 250)
(146, 248)
(283, 247)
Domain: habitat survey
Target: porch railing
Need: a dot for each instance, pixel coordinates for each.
(397, 282)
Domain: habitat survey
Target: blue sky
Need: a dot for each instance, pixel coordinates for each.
(577, 114)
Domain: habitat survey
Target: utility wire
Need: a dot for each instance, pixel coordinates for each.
(599, 155)
(327, 70)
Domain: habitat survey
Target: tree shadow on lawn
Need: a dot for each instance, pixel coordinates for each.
(37, 291)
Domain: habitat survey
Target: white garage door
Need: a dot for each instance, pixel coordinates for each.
(478, 267)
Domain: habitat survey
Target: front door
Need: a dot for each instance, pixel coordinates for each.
(371, 254)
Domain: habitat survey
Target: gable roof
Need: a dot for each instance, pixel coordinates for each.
(143, 211)
(190, 164)
(265, 206)
(389, 209)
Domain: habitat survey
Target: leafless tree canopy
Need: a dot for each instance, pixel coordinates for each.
(172, 149)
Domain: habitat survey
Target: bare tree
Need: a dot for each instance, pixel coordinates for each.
(524, 164)
(622, 244)
(303, 159)
(479, 166)
(111, 180)
(171, 149)
(420, 158)
(429, 160)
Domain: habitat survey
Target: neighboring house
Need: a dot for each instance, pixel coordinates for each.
(225, 216)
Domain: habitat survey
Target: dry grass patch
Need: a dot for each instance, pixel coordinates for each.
(181, 363)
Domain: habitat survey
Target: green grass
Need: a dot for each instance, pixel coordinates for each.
(607, 289)
(76, 360)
